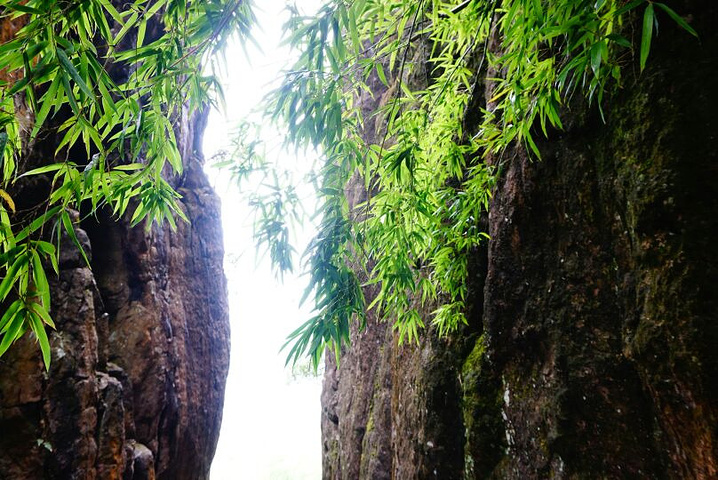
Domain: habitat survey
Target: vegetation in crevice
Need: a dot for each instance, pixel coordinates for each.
(427, 179)
(111, 135)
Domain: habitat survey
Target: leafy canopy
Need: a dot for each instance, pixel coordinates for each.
(421, 162)
(112, 79)
(391, 92)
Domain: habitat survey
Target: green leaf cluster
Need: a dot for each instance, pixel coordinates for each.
(113, 81)
(426, 180)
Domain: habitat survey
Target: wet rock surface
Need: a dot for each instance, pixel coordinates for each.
(590, 350)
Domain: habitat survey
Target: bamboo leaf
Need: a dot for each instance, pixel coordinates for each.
(40, 280)
(70, 94)
(647, 34)
(596, 53)
(618, 39)
(20, 7)
(126, 28)
(8, 199)
(74, 74)
(45, 169)
(43, 314)
(9, 314)
(39, 329)
(13, 330)
(49, 100)
(70, 229)
(380, 72)
(37, 223)
(141, 34)
(629, 6)
(677, 18)
(12, 275)
(107, 5)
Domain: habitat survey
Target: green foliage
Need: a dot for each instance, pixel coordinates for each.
(426, 180)
(66, 65)
(273, 201)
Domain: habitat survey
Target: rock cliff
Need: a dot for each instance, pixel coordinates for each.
(140, 356)
(141, 352)
(590, 349)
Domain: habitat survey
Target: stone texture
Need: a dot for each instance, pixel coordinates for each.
(149, 367)
(591, 346)
(141, 351)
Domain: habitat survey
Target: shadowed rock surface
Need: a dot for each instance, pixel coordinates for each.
(140, 356)
(590, 350)
(139, 360)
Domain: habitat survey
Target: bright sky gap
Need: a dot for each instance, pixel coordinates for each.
(271, 423)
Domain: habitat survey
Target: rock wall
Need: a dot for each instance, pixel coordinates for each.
(140, 356)
(590, 350)
(141, 352)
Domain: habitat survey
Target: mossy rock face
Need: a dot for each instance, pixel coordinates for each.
(600, 258)
(593, 321)
(481, 404)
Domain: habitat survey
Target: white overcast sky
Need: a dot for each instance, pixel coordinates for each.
(271, 424)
